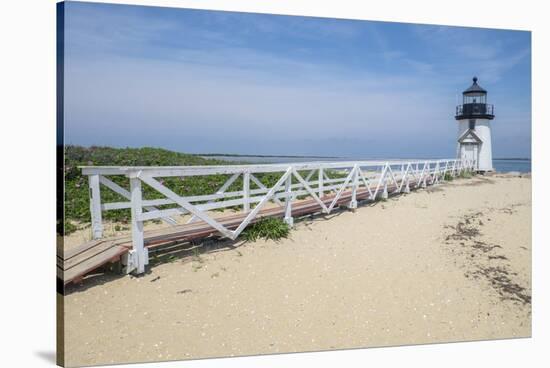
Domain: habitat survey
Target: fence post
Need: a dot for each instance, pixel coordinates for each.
(405, 180)
(95, 206)
(139, 256)
(353, 203)
(321, 184)
(288, 201)
(385, 178)
(426, 172)
(246, 191)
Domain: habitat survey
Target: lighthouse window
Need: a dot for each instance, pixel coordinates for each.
(477, 98)
(472, 124)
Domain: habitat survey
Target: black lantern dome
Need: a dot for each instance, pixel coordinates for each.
(474, 104)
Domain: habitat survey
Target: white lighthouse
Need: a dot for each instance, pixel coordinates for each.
(474, 127)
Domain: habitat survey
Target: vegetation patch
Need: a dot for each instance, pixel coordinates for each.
(267, 228)
(76, 201)
(465, 174)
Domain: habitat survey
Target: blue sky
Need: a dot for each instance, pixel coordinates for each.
(205, 81)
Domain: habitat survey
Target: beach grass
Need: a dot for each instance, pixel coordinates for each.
(269, 228)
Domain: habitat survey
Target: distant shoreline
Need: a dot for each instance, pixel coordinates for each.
(307, 156)
(243, 155)
(512, 159)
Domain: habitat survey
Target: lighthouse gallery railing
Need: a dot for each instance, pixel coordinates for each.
(475, 109)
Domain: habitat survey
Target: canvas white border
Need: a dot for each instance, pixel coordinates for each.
(28, 158)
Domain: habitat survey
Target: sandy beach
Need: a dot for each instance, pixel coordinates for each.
(448, 263)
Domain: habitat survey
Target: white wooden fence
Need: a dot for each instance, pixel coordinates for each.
(374, 176)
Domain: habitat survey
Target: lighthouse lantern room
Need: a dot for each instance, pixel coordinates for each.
(474, 117)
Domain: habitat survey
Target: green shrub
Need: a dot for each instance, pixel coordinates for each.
(76, 200)
(267, 228)
(448, 176)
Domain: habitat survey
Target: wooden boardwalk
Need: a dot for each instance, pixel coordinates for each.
(75, 263)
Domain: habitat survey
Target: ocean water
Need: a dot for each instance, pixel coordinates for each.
(500, 165)
(523, 166)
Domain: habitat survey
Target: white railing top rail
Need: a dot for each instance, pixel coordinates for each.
(257, 168)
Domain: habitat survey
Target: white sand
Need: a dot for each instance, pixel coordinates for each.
(397, 272)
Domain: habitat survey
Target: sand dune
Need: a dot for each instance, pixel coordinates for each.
(450, 263)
